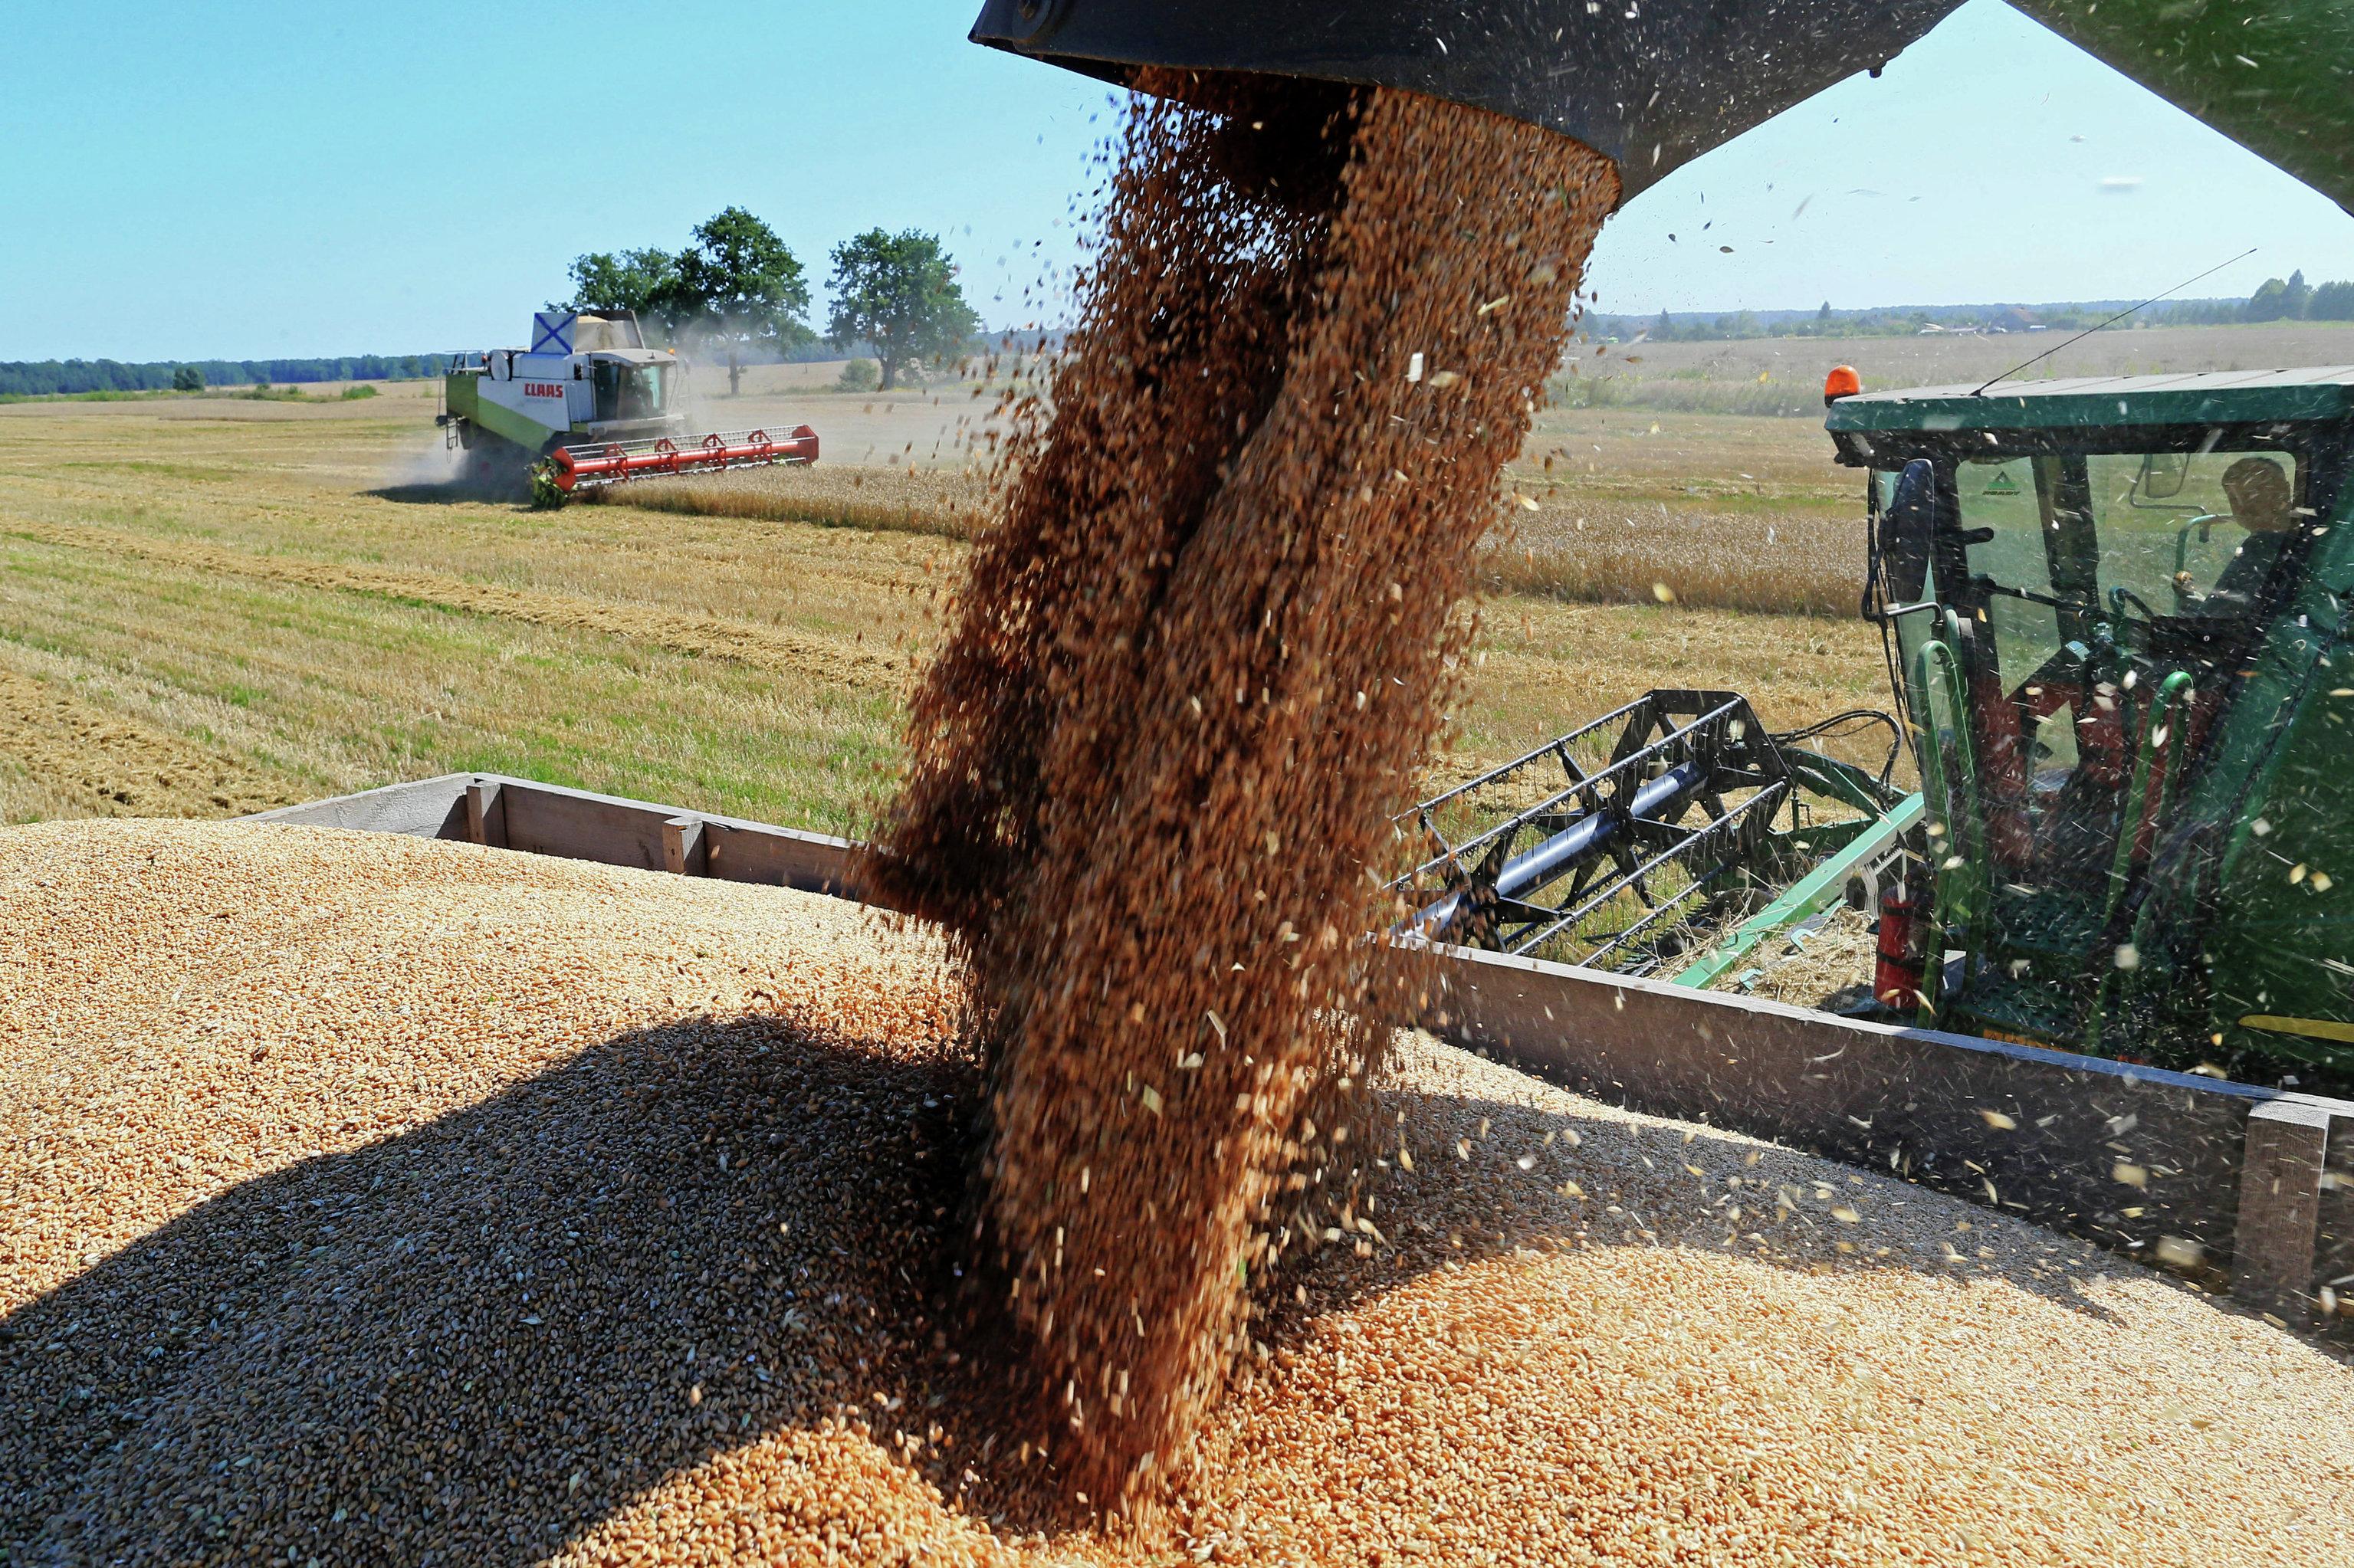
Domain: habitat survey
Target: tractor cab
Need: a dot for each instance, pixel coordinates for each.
(2114, 620)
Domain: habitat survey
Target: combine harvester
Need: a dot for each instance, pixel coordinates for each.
(588, 405)
(2117, 619)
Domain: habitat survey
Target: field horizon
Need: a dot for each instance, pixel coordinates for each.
(209, 605)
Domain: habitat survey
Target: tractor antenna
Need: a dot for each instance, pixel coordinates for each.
(2121, 315)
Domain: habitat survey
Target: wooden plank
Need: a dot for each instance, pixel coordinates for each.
(2280, 1205)
(425, 808)
(2333, 1260)
(486, 813)
(548, 819)
(683, 846)
(543, 820)
(748, 852)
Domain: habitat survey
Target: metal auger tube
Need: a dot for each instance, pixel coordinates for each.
(1653, 86)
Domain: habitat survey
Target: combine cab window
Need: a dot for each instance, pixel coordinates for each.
(641, 392)
(2092, 576)
(2007, 512)
(2192, 534)
(627, 391)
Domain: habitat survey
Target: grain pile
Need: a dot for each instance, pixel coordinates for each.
(374, 1199)
(1595, 1337)
(1200, 656)
(365, 1200)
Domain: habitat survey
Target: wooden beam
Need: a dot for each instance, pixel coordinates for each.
(2280, 1205)
(486, 813)
(683, 846)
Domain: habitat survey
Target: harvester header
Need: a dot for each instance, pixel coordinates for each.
(593, 465)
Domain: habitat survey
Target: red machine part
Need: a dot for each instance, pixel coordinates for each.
(609, 462)
(1896, 973)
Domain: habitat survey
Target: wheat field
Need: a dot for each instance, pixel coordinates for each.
(204, 610)
(209, 605)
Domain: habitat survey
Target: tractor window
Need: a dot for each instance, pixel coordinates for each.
(2192, 533)
(2006, 510)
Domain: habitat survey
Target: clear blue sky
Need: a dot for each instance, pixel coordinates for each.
(188, 181)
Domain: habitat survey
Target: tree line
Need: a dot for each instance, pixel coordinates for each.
(736, 290)
(55, 377)
(2289, 299)
(2278, 299)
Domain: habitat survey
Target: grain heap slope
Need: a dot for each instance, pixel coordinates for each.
(365, 1198)
(372, 1198)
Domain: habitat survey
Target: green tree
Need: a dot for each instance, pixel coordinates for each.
(898, 293)
(1664, 329)
(741, 290)
(645, 281)
(2332, 303)
(187, 379)
(2298, 297)
(2269, 303)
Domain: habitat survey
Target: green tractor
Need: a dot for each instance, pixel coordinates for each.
(2117, 619)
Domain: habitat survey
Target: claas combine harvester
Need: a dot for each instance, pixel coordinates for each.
(587, 405)
(2114, 609)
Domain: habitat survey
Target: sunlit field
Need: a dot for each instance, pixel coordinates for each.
(208, 605)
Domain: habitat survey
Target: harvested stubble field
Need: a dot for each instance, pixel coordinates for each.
(1944, 359)
(948, 502)
(375, 1199)
(1787, 561)
(285, 596)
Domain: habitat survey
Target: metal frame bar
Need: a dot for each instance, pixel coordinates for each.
(2232, 1165)
(1775, 793)
(1810, 893)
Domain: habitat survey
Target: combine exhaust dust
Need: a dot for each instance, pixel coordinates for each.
(1194, 667)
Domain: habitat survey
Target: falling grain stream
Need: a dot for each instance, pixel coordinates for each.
(1195, 664)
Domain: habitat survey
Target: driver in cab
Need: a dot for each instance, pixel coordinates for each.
(2264, 503)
